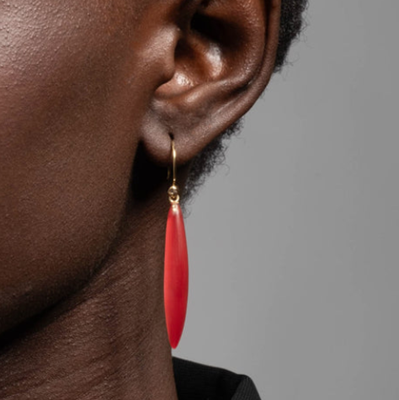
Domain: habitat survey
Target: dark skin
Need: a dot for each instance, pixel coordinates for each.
(87, 86)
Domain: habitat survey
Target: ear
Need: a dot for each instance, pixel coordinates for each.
(222, 59)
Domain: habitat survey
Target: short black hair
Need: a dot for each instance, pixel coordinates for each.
(291, 24)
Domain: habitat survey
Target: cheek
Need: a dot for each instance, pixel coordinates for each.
(65, 154)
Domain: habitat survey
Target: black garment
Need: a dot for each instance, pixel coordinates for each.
(201, 382)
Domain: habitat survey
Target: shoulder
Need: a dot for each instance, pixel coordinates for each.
(200, 381)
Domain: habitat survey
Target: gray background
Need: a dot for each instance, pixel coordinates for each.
(294, 244)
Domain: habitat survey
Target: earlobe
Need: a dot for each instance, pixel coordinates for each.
(223, 60)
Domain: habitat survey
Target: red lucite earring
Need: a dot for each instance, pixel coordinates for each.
(176, 264)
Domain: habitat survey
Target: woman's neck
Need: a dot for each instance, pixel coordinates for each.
(106, 341)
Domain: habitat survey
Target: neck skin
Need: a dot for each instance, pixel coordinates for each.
(108, 340)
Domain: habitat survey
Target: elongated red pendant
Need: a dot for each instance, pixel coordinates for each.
(176, 275)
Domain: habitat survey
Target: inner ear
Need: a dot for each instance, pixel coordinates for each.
(212, 46)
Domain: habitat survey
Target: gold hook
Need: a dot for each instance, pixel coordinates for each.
(174, 156)
(173, 190)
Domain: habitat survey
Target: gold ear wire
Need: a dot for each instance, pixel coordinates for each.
(174, 156)
(173, 191)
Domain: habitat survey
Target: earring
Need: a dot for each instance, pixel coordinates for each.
(176, 264)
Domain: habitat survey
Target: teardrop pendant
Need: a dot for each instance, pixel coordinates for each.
(176, 275)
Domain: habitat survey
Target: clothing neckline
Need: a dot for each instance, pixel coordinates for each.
(196, 381)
